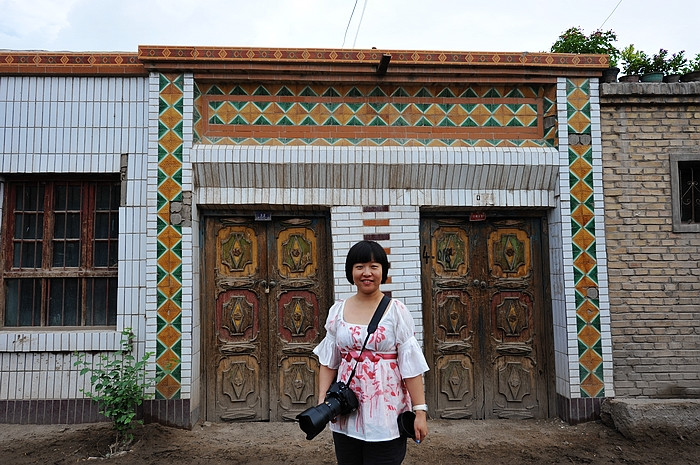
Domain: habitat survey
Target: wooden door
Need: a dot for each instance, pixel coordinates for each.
(267, 296)
(486, 318)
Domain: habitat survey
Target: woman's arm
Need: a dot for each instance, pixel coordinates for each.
(326, 376)
(417, 392)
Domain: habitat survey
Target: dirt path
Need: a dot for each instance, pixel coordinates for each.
(450, 442)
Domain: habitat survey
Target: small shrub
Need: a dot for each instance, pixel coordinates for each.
(658, 63)
(677, 63)
(634, 61)
(693, 65)
(119, 385)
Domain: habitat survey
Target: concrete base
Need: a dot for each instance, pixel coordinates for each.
(644, 419)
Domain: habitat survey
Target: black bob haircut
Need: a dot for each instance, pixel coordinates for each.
(363, 252)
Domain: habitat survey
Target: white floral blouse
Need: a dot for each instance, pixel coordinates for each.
(392, 354)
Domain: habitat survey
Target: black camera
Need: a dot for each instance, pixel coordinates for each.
(340, 400)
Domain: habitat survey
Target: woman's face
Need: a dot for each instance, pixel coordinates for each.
(367, 276)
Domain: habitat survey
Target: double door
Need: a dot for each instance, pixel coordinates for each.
(487, 323)
(267, 291)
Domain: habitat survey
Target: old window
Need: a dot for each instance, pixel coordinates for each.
(685, 185)
(60, 253)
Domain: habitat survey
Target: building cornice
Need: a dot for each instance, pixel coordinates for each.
(299, 64)
(25, 62)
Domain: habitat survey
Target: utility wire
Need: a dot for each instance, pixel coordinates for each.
(348, 26)
(611, 13)
(364, 5)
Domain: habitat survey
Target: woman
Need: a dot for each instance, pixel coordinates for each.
(388, 379)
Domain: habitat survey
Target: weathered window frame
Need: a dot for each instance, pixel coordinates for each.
(84, 273)
(676, 159)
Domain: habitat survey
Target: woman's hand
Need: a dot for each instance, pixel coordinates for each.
(420, 425)
(415, 390)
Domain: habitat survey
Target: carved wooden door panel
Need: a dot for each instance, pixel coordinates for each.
(266, 301)
(486, 318)
(302, 267)
(452, 335)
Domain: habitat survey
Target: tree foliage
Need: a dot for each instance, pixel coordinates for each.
(119, 384)
(574, 40)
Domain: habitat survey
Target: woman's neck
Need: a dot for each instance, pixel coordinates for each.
(375, 296)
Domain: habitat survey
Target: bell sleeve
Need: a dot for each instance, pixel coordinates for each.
(327, 351)
(410, 355)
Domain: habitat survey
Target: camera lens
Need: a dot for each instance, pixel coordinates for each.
(340, 400)
(314, 419)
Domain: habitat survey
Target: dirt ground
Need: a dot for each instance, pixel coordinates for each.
(449, 442)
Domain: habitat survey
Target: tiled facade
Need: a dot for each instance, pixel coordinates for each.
(378, 115)
(374, 152)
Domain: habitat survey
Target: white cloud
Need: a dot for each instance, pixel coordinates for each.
(504, 25)
(33, 21)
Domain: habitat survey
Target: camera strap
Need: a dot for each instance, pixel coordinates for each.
(372, 327)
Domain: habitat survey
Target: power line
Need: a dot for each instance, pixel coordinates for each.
(611, 13)
(348, 26)
(364, 5)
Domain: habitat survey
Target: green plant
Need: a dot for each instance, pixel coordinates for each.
(692, 65)
(677, 63)
(634, 61)
(574, 40)
(658, 63)
(119, 383)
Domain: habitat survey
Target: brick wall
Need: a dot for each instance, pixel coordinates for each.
(654, 273)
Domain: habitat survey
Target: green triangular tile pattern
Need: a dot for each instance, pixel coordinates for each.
(585, 269)
(383, 107)
(169, 237)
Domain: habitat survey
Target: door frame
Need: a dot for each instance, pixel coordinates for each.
(547, 336)
(207, 287)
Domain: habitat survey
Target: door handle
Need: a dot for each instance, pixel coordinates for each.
(267, 286)
(481, 284)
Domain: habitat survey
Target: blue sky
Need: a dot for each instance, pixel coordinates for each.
(499, 25)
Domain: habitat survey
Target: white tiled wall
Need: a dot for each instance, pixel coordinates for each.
(191, 344)
(404, 224)
(75, 125)
(150, 311)
(601, 249)
(511, 177)
(70, 124)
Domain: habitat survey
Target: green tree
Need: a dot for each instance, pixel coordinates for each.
(574, 40)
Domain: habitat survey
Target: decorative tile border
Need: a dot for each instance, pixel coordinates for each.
(149, 57)
(583, 236)
(169, 238)
(375, 115)
(72, 63)
(401, 57)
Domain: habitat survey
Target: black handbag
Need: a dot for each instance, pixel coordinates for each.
(405, 421)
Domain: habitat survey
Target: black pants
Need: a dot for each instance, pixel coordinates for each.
(351, 451)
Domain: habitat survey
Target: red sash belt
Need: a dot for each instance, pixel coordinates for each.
(369, 355)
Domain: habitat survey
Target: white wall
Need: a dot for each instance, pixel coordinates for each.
(76, 125)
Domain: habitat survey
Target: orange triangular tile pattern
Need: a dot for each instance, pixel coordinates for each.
(584, 239)
(169, 336)
(373, 115)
